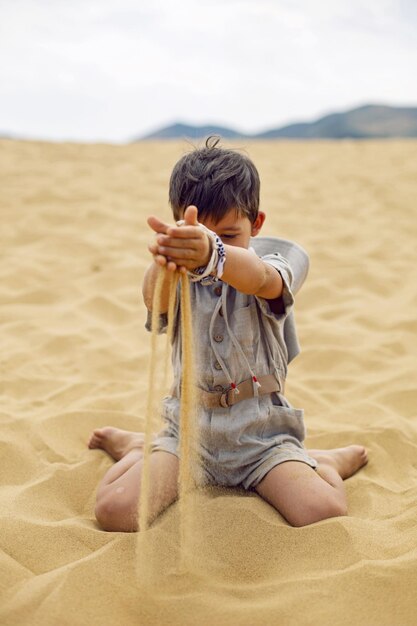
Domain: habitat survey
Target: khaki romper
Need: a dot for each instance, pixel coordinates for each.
(237, 336)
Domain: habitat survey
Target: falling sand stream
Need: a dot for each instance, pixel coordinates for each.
(188, 424)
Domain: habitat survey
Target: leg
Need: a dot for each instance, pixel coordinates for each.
(304, 496)
(346, 461)
(119, 491)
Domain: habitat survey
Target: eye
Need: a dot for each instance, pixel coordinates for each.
(227, 236)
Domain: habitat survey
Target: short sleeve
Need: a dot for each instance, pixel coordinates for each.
(282, 266)
(163, 322)
(163, 317)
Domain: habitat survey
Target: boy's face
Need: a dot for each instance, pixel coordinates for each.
(235, 229)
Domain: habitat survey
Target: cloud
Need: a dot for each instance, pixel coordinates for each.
(116, 68)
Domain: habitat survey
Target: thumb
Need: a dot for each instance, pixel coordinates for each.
(190, 215)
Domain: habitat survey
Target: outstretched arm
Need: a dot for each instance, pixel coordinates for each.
(188, 247)
(247, 273)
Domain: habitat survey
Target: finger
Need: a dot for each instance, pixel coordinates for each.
(177, 253)
(176, 242)
(191, 215)
(161, 260)
(171, 266)
(189, 264)
(153, 248)
(157, 225)
(185, 232)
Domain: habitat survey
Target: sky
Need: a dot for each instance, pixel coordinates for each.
(114, 70)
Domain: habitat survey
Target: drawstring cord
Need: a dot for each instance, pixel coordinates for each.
(256, 384)
(218, 357)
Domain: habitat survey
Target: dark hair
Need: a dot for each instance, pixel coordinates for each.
(215, 180)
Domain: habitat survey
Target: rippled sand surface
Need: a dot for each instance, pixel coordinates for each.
(74, 356)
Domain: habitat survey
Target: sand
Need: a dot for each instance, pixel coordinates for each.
(75, 353)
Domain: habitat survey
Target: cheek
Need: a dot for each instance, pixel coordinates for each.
(239, 242)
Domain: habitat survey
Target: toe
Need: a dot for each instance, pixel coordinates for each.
(96, 439)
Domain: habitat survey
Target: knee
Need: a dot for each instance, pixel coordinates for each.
(318, 511)
(117, 516)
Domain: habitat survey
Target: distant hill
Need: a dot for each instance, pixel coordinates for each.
(364, 122)
(193, 132)
(368, 121)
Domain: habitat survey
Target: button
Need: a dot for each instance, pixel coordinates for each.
(217, 366)
(218, 338)
(218, 291)
(218, 388)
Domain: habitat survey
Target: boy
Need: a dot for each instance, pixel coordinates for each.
(250, 435)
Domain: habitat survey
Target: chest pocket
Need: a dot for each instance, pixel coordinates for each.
(244, 324)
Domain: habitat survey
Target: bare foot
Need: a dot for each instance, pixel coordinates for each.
(346, 461)
(115, 441)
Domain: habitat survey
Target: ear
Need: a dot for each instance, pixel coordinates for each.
(257, 224)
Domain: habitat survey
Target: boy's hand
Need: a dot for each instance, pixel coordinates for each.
(180, 247)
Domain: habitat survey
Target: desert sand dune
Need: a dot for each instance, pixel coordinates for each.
(74, 356)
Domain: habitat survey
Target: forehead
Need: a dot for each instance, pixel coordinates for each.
(232, 220)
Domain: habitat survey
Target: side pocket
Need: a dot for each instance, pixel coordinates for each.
(283, 420)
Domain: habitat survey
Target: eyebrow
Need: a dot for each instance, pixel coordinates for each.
(234, 229)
